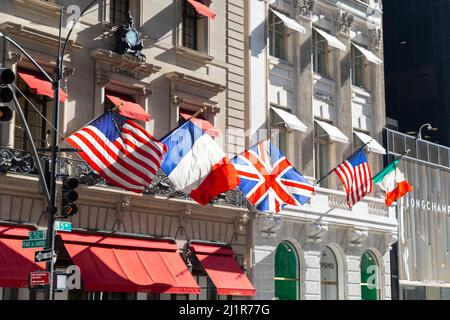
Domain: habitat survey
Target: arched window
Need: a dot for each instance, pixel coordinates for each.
(369, 277)
(286, 272)
(329, 275)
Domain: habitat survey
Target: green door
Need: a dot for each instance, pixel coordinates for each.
(369, 277)
(286, 272)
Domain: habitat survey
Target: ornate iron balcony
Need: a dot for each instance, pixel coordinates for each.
(22, 162)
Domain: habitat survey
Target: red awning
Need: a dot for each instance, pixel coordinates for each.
(119, 264)
(203, 124)
(223, 270)
(127, 107)
(16, 263)
(202, 9)
(39, 85)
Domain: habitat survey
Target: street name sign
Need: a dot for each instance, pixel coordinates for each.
(44, 255)
(37, 235)
(63, 226)
(39, 278)
(34, 244)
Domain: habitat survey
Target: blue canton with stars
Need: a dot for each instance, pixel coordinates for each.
(110, 124)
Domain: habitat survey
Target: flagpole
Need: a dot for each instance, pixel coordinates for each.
(332, 170)
(195, 115)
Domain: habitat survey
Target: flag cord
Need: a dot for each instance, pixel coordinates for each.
(332, 170)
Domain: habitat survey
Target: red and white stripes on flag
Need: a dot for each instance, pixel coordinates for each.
(356, 177)
(120, 151)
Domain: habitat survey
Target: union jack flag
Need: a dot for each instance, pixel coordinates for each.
(355, 174)
(119, 150)
(268, 179)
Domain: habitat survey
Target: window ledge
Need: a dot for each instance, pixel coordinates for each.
(43, 7)
(193, 54)
(322, 78)
(361, 91)
(277, 61)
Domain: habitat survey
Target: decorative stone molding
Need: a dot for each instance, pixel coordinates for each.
(390, 239)
(241, 221)
(47, 8)
(123, 207)
(376, 38)
(146, 91)
(208, 109)
(68, 71)
(316, 231)
(38, 37)
(193, 55)
(13, 57)
(344, 21)
(357, 236)
(304, 8)
(125, 63)
(269, 225)
(195, 82)
(102, 81)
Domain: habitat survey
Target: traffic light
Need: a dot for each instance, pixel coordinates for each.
(7, 77)
(69, 196)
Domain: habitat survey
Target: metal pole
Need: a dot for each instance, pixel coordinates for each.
(33, 146)
(52, 210)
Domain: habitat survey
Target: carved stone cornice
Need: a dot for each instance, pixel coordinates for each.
(126, 62)
(316, 231)
(38, 37)
(344, 21)
(357, 236)
(195, 82)
(304, 8)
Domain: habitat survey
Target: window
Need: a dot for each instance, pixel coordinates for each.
(278, 132)
(277, 37)
(322, 155)
(32, 107)
(328, 275)
(119, 12)
(320, 54)
(190, 18)
(369, 277)
(358, 68)
(286, 272)
(195, 28)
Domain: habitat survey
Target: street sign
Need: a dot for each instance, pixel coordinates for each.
(39, 278)
(37, 235)
(44, 255)
(63, 226)
(34, 244)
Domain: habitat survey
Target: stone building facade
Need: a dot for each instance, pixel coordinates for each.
(320, 60)
(192, 62)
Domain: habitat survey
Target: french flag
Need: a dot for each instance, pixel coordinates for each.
(197, 165)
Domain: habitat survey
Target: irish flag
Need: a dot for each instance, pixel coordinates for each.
(392, 181)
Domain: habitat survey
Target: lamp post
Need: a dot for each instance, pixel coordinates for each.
(54, 148)
(429, 127)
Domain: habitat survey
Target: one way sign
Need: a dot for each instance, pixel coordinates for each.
(44, 255)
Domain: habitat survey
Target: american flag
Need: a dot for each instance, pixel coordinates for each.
(120, 151)
(355, 174)
(268, 179)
